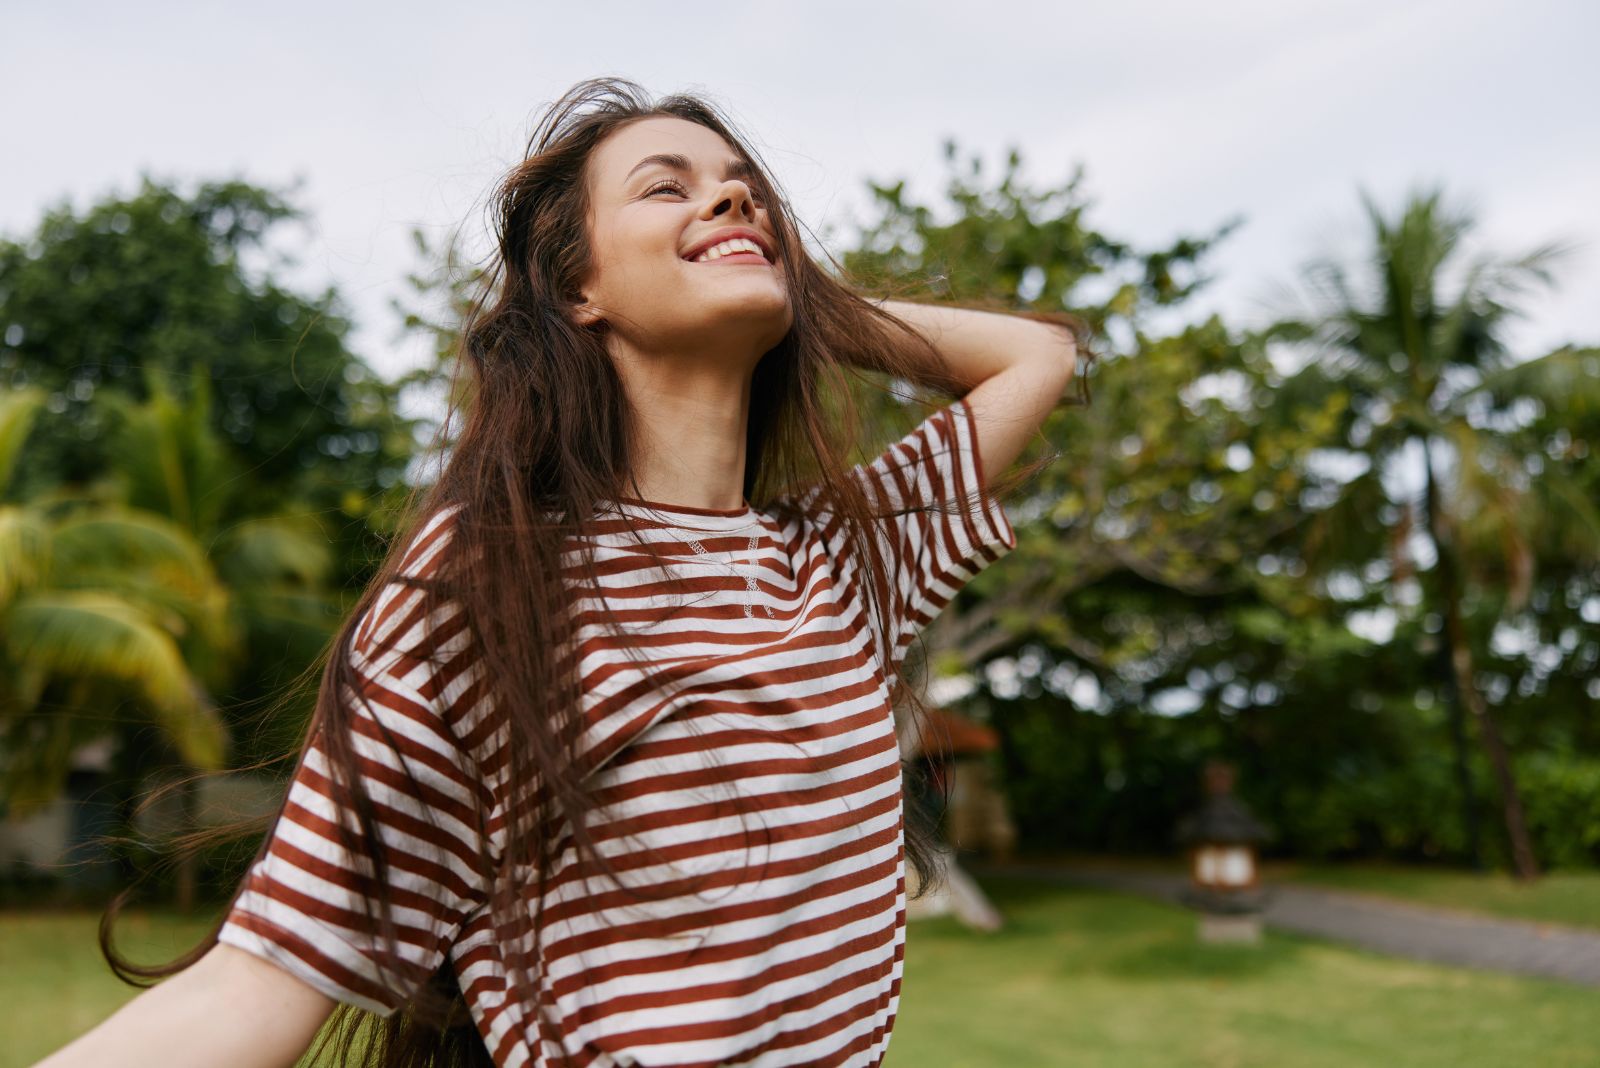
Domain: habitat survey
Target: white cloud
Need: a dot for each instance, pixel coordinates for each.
(403, 115)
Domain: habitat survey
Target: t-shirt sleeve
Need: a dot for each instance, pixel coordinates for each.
(933, 552)
(301, 905)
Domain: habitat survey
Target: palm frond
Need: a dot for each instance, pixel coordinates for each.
(274, 550)
(24, 550)
(127, 538)
(18, 408)
(1566, 380)
(1489, 512)
(171, 461)
(83, 633)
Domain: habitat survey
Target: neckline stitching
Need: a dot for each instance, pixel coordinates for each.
(665, 517)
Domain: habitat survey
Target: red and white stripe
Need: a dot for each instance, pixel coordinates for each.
(747, 783)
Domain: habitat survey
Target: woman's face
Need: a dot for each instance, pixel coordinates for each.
(647, 216)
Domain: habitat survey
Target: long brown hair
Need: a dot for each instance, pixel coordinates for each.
(537, 435)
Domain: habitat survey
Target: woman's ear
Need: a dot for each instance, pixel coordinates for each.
(586, 314)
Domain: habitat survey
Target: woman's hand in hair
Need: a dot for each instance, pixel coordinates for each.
(1011, 370)
(974, 344)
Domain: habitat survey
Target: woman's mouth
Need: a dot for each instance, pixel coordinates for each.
(736, 258)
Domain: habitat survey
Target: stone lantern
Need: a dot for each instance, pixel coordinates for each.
(1224, 877)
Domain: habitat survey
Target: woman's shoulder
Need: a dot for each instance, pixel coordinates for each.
(429, 541)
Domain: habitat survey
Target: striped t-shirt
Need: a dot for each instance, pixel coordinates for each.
(747, 776)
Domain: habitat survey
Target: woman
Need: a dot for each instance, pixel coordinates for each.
(603, 769)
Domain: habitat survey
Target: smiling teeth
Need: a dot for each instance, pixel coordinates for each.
(727, 248)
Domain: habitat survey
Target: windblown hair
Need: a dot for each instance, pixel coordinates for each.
(538, 435)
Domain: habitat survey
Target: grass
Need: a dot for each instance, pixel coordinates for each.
(1088, 979)
(1571, 898)
(1078, 977)
(54, 984)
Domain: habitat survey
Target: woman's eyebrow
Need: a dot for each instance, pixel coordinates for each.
(735, 168)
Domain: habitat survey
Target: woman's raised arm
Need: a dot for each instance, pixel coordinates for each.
(1013, 370)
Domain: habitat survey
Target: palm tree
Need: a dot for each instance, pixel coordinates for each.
(125, 605)
(93, 601)
(1423, 367)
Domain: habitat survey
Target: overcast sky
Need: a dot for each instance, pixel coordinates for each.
(1183, 115)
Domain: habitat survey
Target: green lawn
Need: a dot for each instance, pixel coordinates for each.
(1086, 979)
(1079, 977)
(1566, 897)
(54, 985)
(1557, 897)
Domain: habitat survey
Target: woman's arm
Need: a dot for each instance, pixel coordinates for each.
(1014, 371)
(229, 1007)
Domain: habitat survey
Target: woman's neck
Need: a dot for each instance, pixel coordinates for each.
(691, 426)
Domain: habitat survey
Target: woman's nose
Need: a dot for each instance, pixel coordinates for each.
(739, 199)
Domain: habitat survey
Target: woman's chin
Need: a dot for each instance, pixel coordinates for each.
(749, 314)
(746, 294)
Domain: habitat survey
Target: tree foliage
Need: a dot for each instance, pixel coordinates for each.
(155, 288)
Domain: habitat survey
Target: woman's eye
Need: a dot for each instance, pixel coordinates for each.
(755, 195)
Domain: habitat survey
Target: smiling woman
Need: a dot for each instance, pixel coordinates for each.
(604, 766)
(662, 190)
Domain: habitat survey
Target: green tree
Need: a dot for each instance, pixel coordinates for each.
(1150, 507)
(1416, 346)
(95, 604)
(185, 389)
(139, 600)
(155, 287)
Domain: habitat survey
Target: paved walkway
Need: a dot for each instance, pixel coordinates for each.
(1417, 931)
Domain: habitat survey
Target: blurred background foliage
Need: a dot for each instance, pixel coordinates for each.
(1239, 553)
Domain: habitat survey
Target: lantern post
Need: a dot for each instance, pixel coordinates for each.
(1224, 874)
